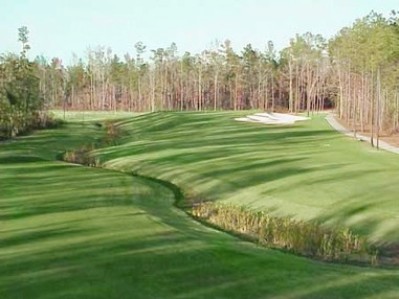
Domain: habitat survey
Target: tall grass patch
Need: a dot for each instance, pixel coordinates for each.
(84, 154)
(307, 238)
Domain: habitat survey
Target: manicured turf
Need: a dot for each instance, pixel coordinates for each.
(72, 232)
(306, 170)
(87, 116)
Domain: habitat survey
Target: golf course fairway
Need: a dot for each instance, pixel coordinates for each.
(69, 231)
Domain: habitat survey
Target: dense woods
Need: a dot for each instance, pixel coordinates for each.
(356, 72)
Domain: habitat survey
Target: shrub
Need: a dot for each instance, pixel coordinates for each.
(84, 154)
(81, 156)
(112, 133)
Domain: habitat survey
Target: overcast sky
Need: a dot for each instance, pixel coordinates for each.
(60, 27)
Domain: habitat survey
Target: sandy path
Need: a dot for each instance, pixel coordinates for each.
(337, 126)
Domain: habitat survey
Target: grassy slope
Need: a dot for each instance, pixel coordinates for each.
(72, 232)
(88, 116)
(306, 170)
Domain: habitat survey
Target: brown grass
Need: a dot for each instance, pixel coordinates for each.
(299, 237)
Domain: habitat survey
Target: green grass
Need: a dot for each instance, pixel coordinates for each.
(73, 232)
(87, 116)
(306, 170)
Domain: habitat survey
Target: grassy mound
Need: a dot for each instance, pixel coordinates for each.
(306, 170)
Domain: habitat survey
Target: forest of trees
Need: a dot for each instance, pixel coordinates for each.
(356, 71)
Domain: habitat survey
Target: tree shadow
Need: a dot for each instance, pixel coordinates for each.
(95, 233)
(213, 157)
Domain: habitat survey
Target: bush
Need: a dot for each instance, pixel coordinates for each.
(84, 154)
(81, 156)
(112, 133)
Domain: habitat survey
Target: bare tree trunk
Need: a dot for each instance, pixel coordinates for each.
(362, 101)
(396, 123)
(139, 100)
(181, 86)
(216, 92)
(354, 112)
(103, 90)
(308, 91)
(272, 95)
(152, 84)
(290, 100)
(266, 105)
(341, 94)
(297, 97)
(199, 106)
(379, 96)
(372, 109)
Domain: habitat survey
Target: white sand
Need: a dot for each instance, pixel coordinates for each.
(273, 118)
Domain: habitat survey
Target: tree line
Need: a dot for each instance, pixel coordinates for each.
(356, 71)
(21, 105)
(365, 74)
(216, 79)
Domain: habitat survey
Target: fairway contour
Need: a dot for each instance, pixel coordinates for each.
(70, 231)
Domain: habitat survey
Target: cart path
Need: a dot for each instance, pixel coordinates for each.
(340, 128)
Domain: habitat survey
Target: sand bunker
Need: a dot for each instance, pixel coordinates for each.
(273, 118)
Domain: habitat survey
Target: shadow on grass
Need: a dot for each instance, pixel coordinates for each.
(93, 233)
(19, 159)
(149, 249)
(213, 157)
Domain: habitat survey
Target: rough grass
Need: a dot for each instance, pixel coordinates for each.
(73, 232)
(304, 238)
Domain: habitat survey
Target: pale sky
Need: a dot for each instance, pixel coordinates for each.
(60, 27)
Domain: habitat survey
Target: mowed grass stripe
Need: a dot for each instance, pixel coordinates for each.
(306, 170)
(71, 232)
